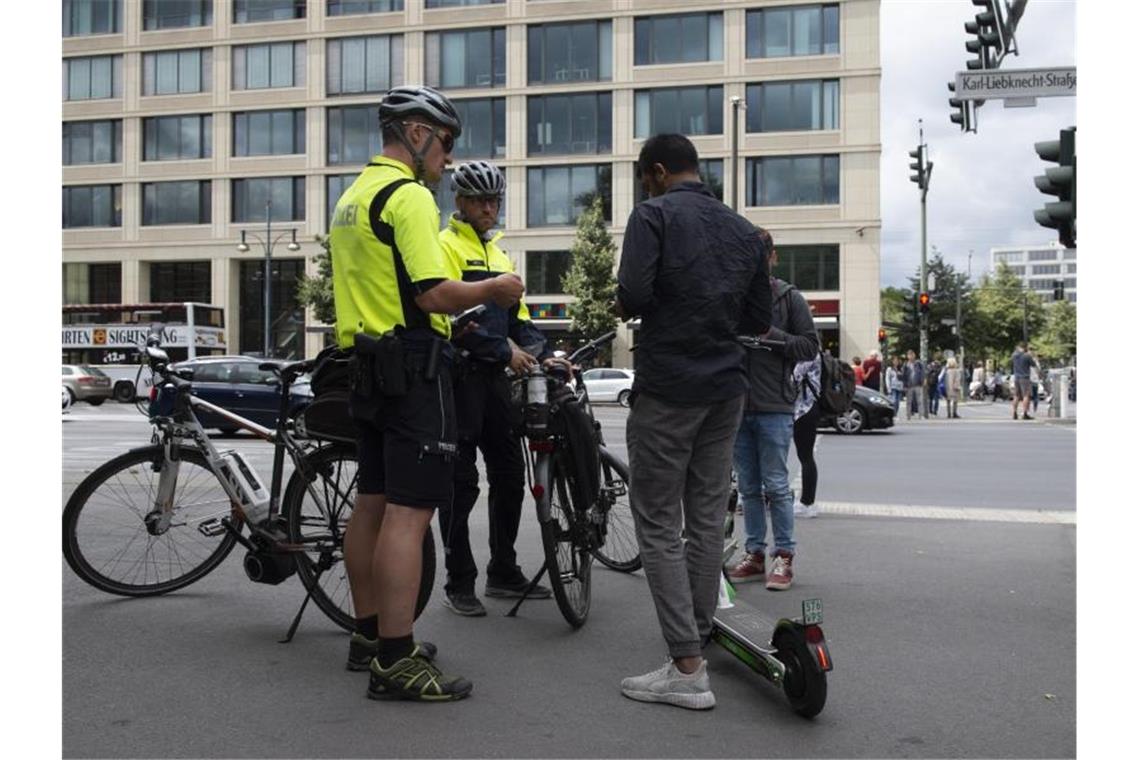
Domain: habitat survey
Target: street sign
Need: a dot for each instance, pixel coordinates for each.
(1052, 82)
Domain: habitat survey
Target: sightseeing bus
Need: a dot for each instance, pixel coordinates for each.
(111, 336)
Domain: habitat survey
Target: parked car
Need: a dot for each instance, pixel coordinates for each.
(870, 410)
(607, 384)
(66, 400)
(236, 384)
(86, 383)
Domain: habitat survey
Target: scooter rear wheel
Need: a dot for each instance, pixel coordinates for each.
(805, 685)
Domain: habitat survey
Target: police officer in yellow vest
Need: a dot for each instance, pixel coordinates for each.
(393, 288)
(504, 337)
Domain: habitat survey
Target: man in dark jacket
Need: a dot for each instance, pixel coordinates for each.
(914, 380)
(761, 452)
(694, 271)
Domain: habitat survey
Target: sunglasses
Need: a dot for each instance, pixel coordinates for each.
(446, 139)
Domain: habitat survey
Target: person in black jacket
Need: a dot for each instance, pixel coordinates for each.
(761, 453)
(693, 270)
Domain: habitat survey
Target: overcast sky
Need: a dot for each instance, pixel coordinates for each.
(981, 190)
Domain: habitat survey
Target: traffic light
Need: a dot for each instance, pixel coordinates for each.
(882, 336)
(1058, 290)
(960, 114)
(991, 37)
(920, 167)
(1061, 181)
(923, 302)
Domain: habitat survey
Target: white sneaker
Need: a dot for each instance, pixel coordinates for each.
(669, 685)
(806, 510)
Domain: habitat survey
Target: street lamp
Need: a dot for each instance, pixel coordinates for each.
(268, 242)
(736, 106)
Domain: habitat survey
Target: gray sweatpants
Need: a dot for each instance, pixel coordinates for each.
(680, 465)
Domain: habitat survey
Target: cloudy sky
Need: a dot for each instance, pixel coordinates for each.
(981, 190)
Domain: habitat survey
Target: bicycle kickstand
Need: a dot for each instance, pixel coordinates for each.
(533, 582)
(297, 619)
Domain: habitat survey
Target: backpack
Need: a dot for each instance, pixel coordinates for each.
(837, 385)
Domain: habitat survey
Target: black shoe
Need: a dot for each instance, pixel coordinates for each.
(1026, 417)
(514, 588)
(361, 650)
(414, 678)
(464, 603)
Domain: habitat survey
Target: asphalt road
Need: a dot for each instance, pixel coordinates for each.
(953, 634)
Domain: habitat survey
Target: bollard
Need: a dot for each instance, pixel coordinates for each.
(1064, 392)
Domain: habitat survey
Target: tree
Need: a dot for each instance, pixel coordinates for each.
(1058, 341)
(1003, 309)
(946, 282)
(317, 291)
(590, 278)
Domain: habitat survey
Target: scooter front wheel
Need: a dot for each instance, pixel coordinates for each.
(805, 684)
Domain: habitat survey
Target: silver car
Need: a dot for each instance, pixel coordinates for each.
(608, 384)
(86, 383)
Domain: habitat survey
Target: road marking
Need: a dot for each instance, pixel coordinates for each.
(1038, 516)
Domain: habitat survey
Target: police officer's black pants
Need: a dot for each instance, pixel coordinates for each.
(482, 408)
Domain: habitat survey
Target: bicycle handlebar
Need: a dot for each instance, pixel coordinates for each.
(755, 342)
(587, 351)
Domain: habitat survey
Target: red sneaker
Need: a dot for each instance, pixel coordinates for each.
(781, 576)
(750, 568)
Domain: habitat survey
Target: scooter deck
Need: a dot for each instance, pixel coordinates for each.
(744, 623)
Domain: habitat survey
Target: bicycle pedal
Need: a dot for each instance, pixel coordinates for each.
(212, 528)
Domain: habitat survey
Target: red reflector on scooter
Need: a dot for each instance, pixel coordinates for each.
(813, 633)
(538, 490)
(821, 655)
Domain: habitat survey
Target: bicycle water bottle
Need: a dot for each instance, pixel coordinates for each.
(253, 496)
(537, 410)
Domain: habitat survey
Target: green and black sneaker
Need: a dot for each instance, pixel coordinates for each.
(415, 678)
(361, 650)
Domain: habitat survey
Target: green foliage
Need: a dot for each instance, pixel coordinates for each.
(590, 278)
(317, 291)
(1058, 342)
(1001, 308)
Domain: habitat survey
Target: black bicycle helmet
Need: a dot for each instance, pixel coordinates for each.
(478, 179)
(401, 102)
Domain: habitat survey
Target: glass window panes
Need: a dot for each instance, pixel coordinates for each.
(93, 77)
(186, 202)
(286, 196)
(364, 64)
(335, 185)
(567, 124)
(173, 138)
(458, 3)
(353, 135)
(249, 11)
(92, 206)
(92, 142)
(791, 31)
(1047, 255)
(484, 128)
(176, 14)
(171, 72)
(685, 110)
(570, 52)
(445, 201)
(278, 64)
(545, 270)
(808, 267)
(92, 283)
(799, 105)
(82, 17)
(287, 326)
(269, 133)
(353, 7)
(710, 169)
(467, 58)
(687, 38)
(793, 180)
(556, 195)
(178, 281)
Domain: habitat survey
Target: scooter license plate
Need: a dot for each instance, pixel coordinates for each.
(812, 611)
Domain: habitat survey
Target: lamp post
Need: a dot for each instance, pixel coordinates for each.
(736, 106)
(268, 242)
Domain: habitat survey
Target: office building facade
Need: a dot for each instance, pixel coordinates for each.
(1039, 267)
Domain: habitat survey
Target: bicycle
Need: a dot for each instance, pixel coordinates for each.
(161, 517)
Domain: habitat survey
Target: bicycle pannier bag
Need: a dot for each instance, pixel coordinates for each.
(327, 417)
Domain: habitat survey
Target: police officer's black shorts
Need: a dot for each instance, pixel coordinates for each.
(405, 447)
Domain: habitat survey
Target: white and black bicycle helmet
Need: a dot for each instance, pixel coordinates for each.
(478, 179)
(402, 102)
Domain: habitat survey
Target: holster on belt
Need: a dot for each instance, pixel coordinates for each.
(380, 366)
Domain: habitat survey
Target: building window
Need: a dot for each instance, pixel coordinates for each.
(177, 14)
(1018, 270)
(173, 138)
(93, 78)
(364, 64)
(801, 30)
(354, 7)
(556, 195)
(180, 281)
(92, 142)
(1009, 256)
(786, 106)
(83, 17)
(793, 180)
(251, 11)
(710, 169)
(576, 52)
(285, 194)
(484, 123)
(468, 58)
(808, 267)
(445, 200)
(545, 270)
(269, 133)
(287, 316)
(1047, 269)
(684, 110)
(175, 72)
(688, 38)
(92, 283)
(92, 206)
(1046, 255)
(279, 64)
(185, 202)
(567, 124)
(1070, 269)
(1070, 253)
(354, 137)
(429, 4)
(335, 185)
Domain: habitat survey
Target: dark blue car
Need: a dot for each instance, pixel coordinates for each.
(236, 384)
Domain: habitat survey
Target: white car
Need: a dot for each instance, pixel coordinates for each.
(606, 384)
(66, 400)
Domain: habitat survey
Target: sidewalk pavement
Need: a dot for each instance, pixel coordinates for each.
(991, 411)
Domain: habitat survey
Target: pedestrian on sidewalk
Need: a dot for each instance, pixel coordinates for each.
(1034, 379)
(895, 383)
(806, 377)
(978, 382)
(933, 377)
(953, 380)
(1023, 362)
(914, 380)
(872, 371)
(857, 368)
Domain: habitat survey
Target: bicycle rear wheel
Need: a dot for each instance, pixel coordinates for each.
(620, 551)
(106, 538)
(317, 517)
(565, 542)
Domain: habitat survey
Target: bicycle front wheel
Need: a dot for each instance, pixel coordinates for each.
(108, 542)
(565, 540)
(620, 551)
(317, 515)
